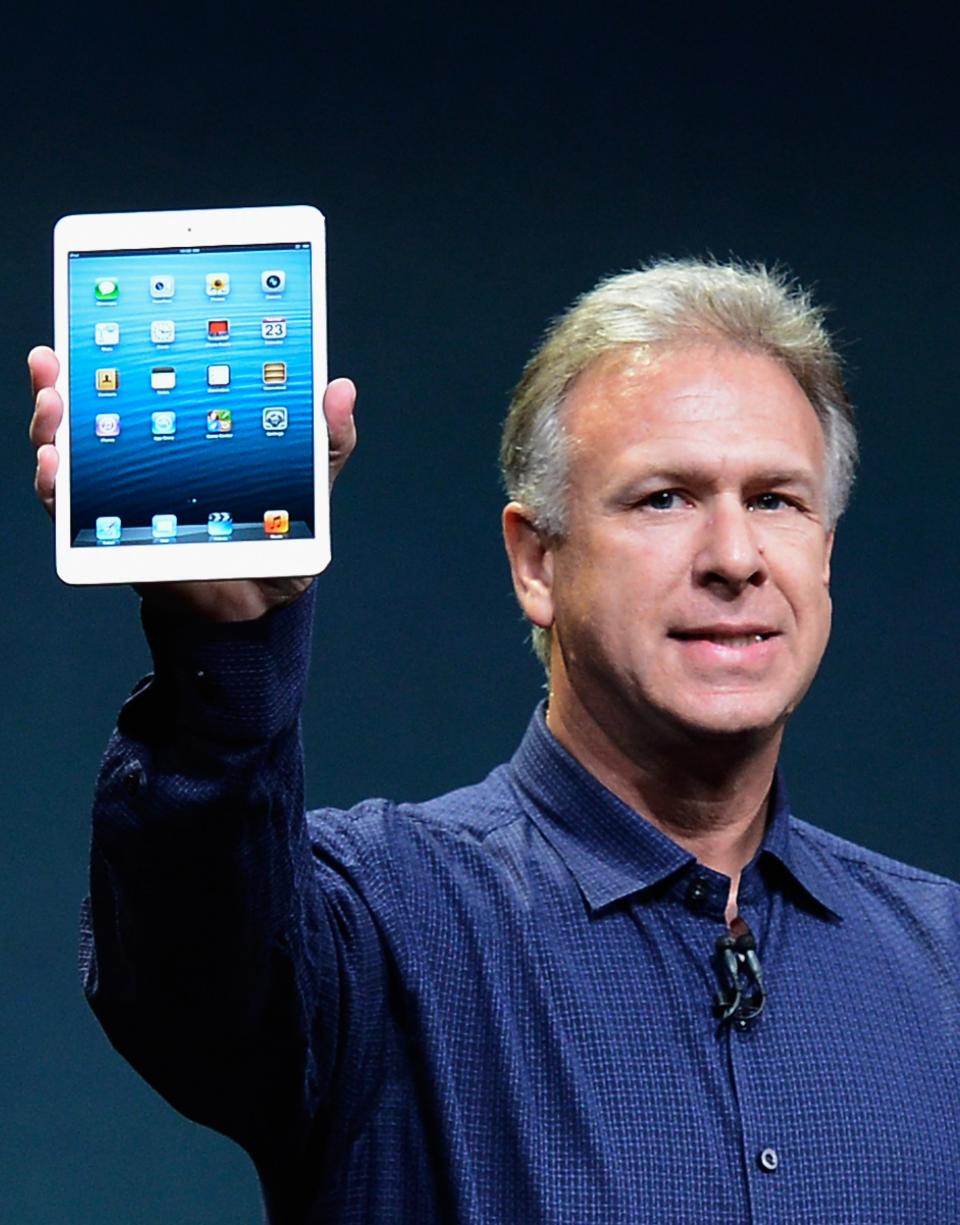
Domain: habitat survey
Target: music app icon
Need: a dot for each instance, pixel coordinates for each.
(276, 522)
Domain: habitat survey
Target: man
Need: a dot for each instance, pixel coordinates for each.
(617, 981)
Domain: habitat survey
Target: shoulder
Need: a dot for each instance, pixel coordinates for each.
(470, 817)
(878, 878)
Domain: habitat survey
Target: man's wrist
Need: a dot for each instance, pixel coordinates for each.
(231, 681)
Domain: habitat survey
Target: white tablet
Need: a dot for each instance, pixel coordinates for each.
(192, 369)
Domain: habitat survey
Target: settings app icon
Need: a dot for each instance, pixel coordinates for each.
(275, 419)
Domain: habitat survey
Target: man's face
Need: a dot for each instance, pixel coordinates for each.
(690, 593)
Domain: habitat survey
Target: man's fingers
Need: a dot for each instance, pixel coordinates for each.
(44, 368)
(47, 415)
(45, 479)
(339, 401)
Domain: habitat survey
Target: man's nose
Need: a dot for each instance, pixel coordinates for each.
(729, 554)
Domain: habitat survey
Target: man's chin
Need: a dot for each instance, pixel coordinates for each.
(732, 724)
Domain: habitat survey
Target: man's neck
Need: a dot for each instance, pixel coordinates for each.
(710, 795)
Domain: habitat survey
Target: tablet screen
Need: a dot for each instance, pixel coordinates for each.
(191, 392)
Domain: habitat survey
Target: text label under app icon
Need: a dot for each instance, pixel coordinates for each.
(275, 419)
(162, 286)
(220, 525)
(276, 522)
(273, 281)
(106, 334)
(164, 527)
(163, 423)
(163, 331)
(108, 529)
(218, 284)
(108, 379)
(106, 289)
(274, 327)
(107, 425)
(163, 378)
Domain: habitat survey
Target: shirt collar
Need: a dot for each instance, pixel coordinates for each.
(612, 851)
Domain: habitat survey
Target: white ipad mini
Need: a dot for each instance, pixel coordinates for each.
(192, 369)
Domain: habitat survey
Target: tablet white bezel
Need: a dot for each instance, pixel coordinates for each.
(149, 563)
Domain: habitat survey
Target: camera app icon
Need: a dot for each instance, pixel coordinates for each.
(273, 281)
(162, 286)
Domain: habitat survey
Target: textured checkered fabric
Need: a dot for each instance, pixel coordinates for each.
(497, 1006)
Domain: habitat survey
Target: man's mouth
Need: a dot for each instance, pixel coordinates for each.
(724, 638)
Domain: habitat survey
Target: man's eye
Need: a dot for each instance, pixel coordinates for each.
(770, 501)
(663, 499)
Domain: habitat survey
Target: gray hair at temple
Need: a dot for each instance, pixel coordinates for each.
(670, 302)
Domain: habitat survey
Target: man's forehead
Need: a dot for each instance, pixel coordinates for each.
(649, 386)
(702, 405)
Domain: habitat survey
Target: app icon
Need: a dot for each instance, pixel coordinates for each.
(108, 379)
(275, 419)
(218, 376)
(108, 529)
(273, 328)
(106, 333)
(273, 281)
(106, 289)
(220, 421)
(218, 284)
(218, 329)
(163, 378)
(163, 423)
(275, 373)
(162, 286)
(163, 331)
(164, 527)
(108, 425)
(276, 522)
(220, 524)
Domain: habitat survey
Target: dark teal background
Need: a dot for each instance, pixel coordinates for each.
(475, 175)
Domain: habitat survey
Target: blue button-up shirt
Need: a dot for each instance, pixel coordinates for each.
(498, 1006)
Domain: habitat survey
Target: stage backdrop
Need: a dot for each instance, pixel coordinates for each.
(475, 178)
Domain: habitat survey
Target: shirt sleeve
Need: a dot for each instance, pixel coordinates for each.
(226, 962)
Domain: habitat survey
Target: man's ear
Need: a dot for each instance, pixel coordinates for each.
(828, 552)
(531, 564)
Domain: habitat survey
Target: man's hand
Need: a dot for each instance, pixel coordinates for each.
(227, 600)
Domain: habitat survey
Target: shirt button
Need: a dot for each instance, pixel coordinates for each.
(768, 1159)
(697, 893)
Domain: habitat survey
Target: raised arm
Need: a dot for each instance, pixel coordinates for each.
(213, 940)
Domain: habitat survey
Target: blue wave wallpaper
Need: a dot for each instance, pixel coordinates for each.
(191, 386)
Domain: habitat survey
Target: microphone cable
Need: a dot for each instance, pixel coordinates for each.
(742, 996)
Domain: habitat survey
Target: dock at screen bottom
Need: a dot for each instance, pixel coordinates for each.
(166, 530)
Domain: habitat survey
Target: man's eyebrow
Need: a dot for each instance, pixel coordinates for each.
(670, 474)
(785, 476)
